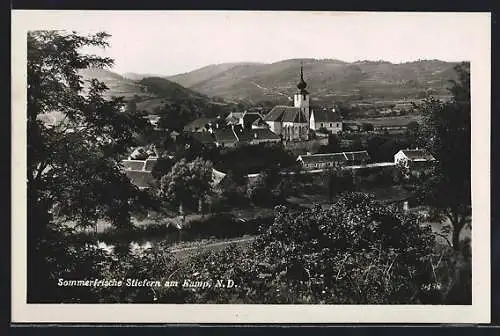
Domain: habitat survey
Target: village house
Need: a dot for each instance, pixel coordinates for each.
(333, 160)
(322, 161)
(235, 118)
(325, 119)
(247, 119)
(259, 123)
(415, 160)
(225, 137)
(233, 136)
(256, 136)
(140, 172)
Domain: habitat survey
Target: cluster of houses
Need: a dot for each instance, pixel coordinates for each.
(282, 123)
(237, 128)
(140, 164)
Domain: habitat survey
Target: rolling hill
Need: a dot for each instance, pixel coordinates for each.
(327, 80)
(151, 93)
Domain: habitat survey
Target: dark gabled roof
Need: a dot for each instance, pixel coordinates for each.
(264, 133)
(323, 158)
(260, 122)
(203, 137)
(286, 114)
(418, 154)
(248, 135)
(133, 164)
(357, 156)
(225, 135)
(141, 179)
(150, 164)
(243, 135)
(250, 117)
(325, 116)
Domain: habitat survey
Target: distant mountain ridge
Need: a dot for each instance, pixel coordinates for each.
(327, 79)
(149, 93)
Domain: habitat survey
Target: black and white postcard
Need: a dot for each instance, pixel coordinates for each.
(250, 167)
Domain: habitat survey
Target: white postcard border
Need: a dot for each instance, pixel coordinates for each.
(478, 312)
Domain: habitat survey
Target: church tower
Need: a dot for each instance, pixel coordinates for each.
(301, 98)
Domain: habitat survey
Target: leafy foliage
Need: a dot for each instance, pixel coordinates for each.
(73, 166)
(446, 133)
(187, 183)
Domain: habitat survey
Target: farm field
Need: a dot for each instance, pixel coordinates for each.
(392, 121)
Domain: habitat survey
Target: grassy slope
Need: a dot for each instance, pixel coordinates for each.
(329, 79)
(150, 92)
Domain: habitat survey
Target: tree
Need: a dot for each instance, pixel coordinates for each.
(187, 183)
(73, 166)
(367, 127)
(412, 132)
(132, 106)
(357, 251)
(446, 133)
(174, 116)
(234, 187)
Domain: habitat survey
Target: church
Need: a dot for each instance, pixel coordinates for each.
(292, 123)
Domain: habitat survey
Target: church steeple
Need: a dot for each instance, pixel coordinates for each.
(302, 83)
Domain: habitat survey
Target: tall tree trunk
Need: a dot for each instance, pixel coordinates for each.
(458, 225)
(456, 238)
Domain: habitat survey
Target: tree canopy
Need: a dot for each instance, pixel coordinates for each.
(187, 183)
(446, 133)
(73, 167)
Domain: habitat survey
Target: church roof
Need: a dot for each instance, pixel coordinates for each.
(325, 116)
(286, 114)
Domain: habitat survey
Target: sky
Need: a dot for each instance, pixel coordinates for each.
(172, 42)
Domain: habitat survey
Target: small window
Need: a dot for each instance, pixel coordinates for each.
(330, 124)
(321, 124)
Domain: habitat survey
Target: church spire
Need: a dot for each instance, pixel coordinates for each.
(302, 84)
